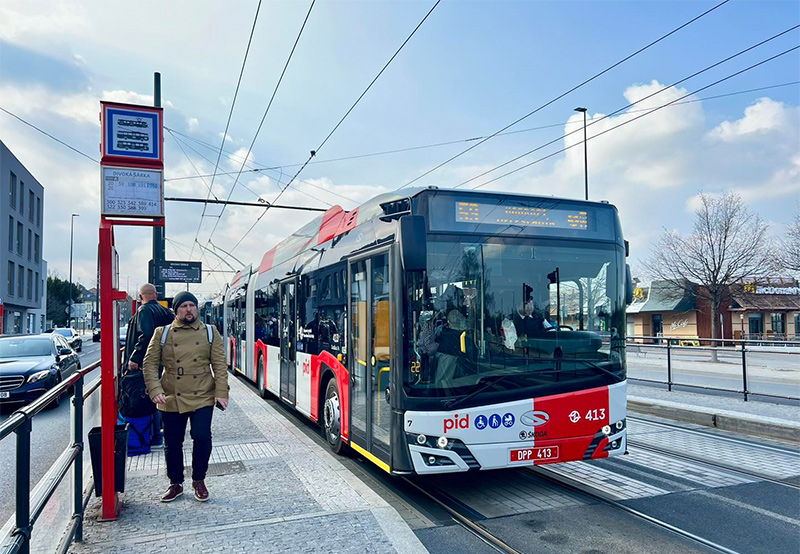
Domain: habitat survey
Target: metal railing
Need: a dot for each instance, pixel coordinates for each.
(29, 509)
(672, 345)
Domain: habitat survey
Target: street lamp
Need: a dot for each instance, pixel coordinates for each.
(69, 306)
(585, 152)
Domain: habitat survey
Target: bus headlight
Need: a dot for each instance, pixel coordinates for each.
(422, 439)
(606, 429)
(442, 442)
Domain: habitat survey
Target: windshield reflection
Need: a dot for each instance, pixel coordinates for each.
(543, 314)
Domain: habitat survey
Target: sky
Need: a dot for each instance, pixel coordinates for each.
(471, 69)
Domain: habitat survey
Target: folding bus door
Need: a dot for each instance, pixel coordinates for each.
(370, 356)
(288, 339)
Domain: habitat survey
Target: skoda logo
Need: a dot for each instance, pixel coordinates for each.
(534, 418)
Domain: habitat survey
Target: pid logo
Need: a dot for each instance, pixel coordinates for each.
(306, 367)
(456, 422)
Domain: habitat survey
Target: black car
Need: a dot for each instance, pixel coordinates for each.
(73, 338)
(30, 365)
(96, 333)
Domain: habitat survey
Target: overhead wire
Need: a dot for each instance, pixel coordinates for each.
(639, 116)
(639, 101)
(264, 117)
(256, 169)
(230, 114)
(314, 152)
(562, 95)
(61, 142)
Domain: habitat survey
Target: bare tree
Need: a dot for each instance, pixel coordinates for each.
(728, 243)
(787, 254)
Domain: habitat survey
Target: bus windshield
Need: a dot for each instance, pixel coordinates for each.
(534, 312)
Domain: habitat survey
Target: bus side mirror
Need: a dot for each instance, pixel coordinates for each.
(628, 286)
(413, 242)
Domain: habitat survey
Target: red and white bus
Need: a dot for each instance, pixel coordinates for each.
(437, 331)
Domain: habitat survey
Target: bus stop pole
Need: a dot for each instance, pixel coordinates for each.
(108, 392)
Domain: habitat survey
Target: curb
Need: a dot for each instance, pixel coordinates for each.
(719, 419)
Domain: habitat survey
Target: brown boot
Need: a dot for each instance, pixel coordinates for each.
(200, 490)
(173, 492)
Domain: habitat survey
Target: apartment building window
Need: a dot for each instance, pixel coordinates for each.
(20, 281)
(19, 238)
(22, 198)
(13, 191)
(10, 234)
(37, 297)
(29, 290)
(11, 275)
(30, 205)
(36, 248)
(38, 212)
(30, 243)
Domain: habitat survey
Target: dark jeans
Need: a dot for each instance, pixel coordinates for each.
(174, 431)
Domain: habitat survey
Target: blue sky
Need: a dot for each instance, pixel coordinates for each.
(472, 68)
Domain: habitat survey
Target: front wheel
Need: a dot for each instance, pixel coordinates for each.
(332, 418)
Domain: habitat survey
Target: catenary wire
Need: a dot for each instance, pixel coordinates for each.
(228, 123)
(314, 152)
(448, 143)
(264, 117)
(562, 95)
(639, 116)
(639, 101)
(87, 156)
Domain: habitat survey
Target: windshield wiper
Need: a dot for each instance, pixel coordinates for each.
(488, 382)
(592, 365)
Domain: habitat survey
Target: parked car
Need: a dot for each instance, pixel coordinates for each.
(123, 335)
(73, 338)
(30, 365)
(96, 333)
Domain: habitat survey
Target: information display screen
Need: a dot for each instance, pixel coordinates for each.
(180, 272)
(518, 214)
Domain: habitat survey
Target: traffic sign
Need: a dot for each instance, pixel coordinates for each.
(132, 134)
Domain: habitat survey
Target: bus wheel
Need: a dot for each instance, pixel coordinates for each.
(262, 387)
(332, 418)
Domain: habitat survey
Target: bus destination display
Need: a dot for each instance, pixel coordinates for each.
(525, 216)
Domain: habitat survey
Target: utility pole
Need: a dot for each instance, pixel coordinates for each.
(585, 153)
(159, 246)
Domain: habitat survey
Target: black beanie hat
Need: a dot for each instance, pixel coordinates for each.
(181, 297)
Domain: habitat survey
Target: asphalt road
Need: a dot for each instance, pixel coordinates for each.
(51, 435)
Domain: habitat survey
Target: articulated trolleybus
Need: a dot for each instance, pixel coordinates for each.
(437, 331)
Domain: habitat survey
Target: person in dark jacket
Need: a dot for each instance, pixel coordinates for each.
(143, 324)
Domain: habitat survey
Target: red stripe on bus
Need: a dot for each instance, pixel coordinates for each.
(267, 260)
(343, 380)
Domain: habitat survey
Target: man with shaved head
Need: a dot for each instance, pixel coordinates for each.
(150, 315)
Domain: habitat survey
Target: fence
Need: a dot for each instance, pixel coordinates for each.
(776, 365)
(28, 510)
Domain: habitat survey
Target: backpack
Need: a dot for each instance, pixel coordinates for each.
(133, 398)
(209, 332)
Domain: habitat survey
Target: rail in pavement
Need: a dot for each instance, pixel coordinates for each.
(272, 490)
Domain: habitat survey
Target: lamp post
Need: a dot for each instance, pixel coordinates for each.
(71, 229)
(585, 153)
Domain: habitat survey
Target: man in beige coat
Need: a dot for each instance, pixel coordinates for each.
(186, 391)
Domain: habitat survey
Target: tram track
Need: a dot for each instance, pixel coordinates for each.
(597, 495)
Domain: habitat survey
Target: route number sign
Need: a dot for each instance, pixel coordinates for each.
(132, 192)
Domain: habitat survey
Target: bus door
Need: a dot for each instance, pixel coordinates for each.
(370, 354)
(288, 339)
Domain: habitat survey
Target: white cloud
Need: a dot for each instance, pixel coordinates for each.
(21, 26)
(193, 124)
(762, 117)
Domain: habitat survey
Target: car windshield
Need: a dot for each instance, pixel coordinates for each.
(543, 312)
(25, 347)
(64, 332)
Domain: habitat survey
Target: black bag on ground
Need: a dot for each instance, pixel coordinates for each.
(133, 399)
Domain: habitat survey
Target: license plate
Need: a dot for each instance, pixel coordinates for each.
(536, 454)
(5, 394)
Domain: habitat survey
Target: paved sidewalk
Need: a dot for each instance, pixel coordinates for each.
(755, 417)
(273, 489)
